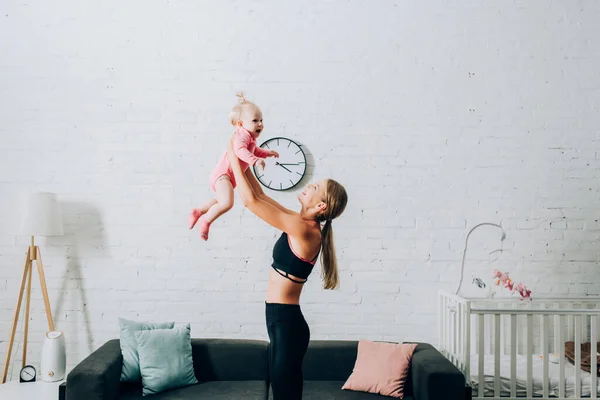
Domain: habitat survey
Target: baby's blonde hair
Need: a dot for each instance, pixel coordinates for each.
(237, 112)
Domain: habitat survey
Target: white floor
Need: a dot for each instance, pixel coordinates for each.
(38, 390)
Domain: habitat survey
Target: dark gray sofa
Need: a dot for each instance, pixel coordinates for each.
(238, 369)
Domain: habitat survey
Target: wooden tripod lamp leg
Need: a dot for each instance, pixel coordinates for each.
(40, 268)
(27, 302)
(13, 330)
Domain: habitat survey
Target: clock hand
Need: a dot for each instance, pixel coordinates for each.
(288, 164)
(281, 165)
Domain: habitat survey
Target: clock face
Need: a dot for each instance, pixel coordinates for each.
(285, 172)
(27, 374)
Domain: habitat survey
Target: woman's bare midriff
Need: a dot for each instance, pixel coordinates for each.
(282, 290)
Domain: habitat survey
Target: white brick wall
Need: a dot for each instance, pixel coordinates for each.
(435, 116)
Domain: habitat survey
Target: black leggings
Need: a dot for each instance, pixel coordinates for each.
(289, 336)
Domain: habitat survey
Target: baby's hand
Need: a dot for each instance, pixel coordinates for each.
(261, 163)
(273, 153)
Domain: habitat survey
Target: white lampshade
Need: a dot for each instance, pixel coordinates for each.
(42, 216)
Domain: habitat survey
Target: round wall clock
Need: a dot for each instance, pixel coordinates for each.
(285, 172)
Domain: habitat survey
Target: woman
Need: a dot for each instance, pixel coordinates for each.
(294, 256)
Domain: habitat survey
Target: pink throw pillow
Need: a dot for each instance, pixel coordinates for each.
(381, 368)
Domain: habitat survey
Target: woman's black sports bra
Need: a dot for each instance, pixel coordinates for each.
(286, 262)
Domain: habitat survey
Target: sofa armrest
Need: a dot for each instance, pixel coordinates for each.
(98, 376)
(434, 377)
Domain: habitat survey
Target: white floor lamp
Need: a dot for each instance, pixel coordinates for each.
(42, 218)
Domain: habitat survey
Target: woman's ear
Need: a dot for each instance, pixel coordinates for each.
(321, 206)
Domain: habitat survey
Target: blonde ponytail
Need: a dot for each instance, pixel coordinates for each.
(336, 200)
(330, 275)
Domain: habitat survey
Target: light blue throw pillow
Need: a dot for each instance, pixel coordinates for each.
(165, 359)
(131, 363)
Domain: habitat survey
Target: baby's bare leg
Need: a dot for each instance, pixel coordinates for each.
(224, 202)
(206, 206)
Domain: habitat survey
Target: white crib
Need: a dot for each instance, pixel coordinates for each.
(517, 348)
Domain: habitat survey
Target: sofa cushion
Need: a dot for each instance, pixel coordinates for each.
(131, 361)
(229, 359)
(165, 359)
(381, 367)
(329, 360)
(220, 390)
(332, 390)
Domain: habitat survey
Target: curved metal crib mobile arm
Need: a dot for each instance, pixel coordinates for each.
(462, 267)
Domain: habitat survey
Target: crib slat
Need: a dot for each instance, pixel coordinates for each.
(545, 343)
(561, 358)
(529, 355)
(497, 355)
(446, 333)
(490, 333)
(513, 355)
(452, 324)
(443, 332)
(449, 330)
(440, 305)
(451, 339)
(577, 321)
(569, 323)
(460, 336)
(480, 379)
(556, 324)
(502, 336)
(593, 358)
(468, 342)
(584, 327)
(452, 335)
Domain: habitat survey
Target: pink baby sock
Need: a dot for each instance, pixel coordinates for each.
(204, 226)
(193, 218)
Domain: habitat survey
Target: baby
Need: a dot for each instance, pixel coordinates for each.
(246, 117)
